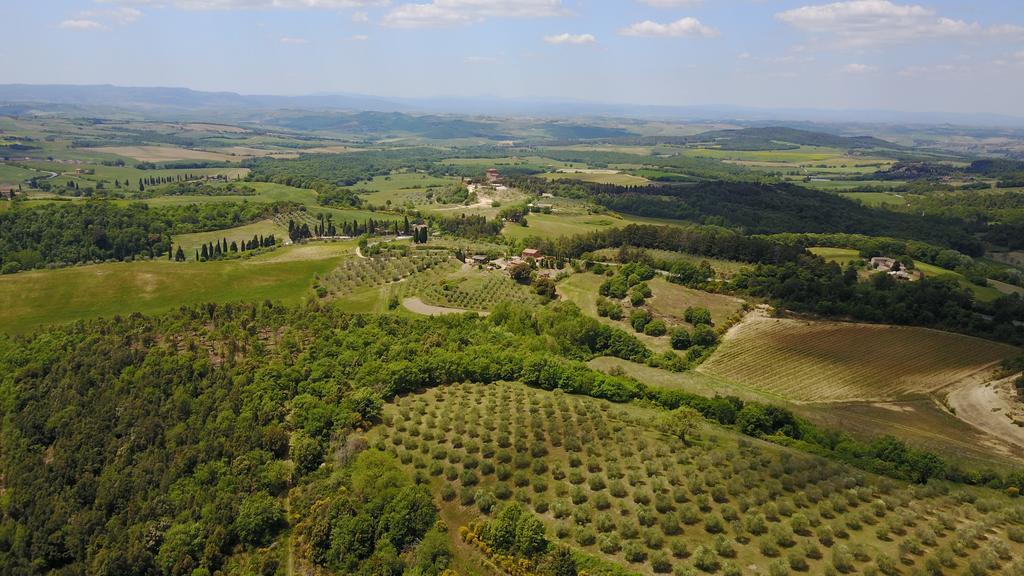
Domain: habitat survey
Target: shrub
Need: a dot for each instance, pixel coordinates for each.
(680, 339)
(724, 548)
(660, 563)
(713, 524)
(842, 560)
(634, 552)
(679, 549)
(586, 536)
(705, 559)
(797, 561)
(447, 493)
(655, 328)
(609, 543)
(485, 501)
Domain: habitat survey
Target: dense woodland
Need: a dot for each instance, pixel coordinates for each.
(769, 208)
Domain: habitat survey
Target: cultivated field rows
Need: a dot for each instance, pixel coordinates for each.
(809, 361)
(606, 482)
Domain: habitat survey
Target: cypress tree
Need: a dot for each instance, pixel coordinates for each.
(205, 254)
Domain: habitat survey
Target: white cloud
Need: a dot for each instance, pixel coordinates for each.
(461, 12)
(360, 17)
(672, 3)
(253, 4)
(293, 40)
(121, 15)
(855, 68)
(860, 23)
(567, 38)
(479, 59)
(682, 27)
(81, 24)
(360, 37)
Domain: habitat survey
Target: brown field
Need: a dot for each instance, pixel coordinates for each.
(164, 153)
(810, 361)
(670, 301)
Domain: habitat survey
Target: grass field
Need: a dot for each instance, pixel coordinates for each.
(190, 242)
(158, 154)
(605, 482)
(875, 198)
(63, 295)
(724, 268)
(555, 225)
(581, 289)
(669, 301)
(401, 188)
(811, 361)
(14, 175)
(598, 177)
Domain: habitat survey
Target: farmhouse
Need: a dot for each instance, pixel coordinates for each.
(531, 253)
(480, 259)
(883, 264)
(493, 175)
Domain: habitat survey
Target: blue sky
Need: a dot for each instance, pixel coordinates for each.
(926, 55)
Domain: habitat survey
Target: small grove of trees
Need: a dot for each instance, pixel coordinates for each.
(515, 531)
(217, 250)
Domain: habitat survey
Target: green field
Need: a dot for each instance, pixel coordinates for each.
(724, 268)
(555, 225)
(14, 175)
(876, 198)
(55, 296)
(191, 242)
(401, 188)
(599, 177)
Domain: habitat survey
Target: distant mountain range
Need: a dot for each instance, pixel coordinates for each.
(21, 98)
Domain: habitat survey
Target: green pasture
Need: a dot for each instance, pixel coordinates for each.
(617, 178)
(63, 295)
(192, 242)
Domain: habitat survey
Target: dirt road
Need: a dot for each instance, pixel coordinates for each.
(420, 307)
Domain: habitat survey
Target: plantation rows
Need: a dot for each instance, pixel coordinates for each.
(300, 217)
(360, 273)
(476, 291)
(605, 481)
(496, 287)
(823, 361)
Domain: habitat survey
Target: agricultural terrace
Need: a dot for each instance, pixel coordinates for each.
(811, 361)
(604, 481)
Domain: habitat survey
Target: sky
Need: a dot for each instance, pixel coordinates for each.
(927, 55)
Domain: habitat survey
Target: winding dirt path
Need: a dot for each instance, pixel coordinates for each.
(418, 306)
